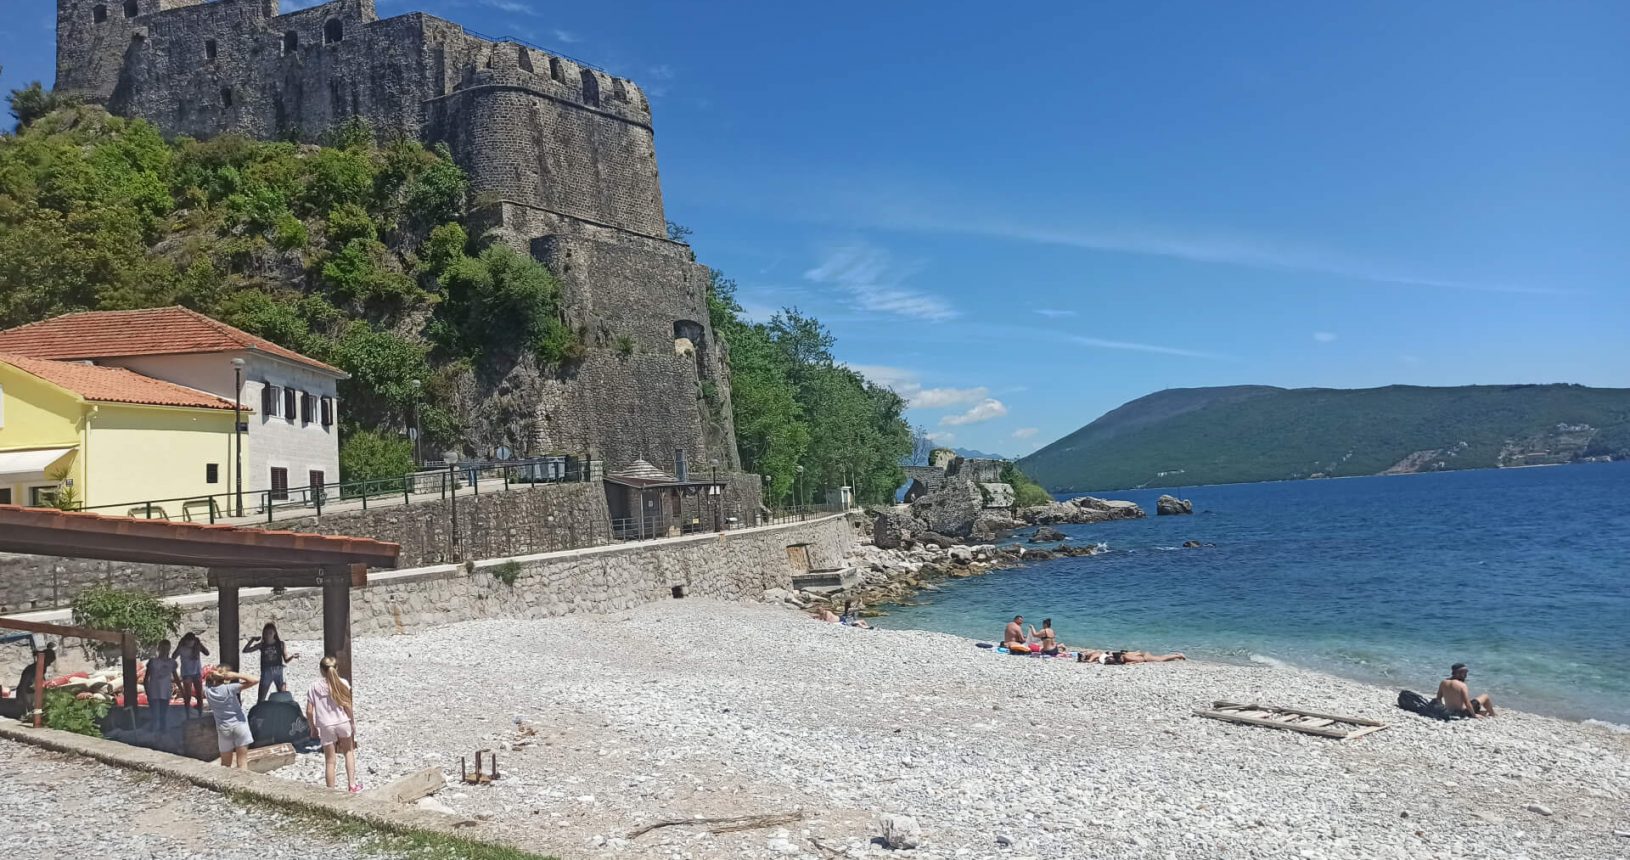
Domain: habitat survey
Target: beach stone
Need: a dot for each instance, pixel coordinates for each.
(899, 832)
(1047, 534)
(1539, 809)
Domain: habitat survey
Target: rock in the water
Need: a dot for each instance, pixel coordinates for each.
(899, 832)
(961, 555)
(1085, 509)
(1172, 505)
(1192, 544)
(1047, 534)
(892, 527)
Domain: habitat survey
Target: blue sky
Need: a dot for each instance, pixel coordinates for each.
(1021, 219)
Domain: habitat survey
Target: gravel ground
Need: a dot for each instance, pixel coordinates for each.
(54, 806)
(693, 708)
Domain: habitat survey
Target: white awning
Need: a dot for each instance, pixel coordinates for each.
(18, 466)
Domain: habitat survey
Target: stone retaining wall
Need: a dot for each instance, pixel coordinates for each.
(738, 565)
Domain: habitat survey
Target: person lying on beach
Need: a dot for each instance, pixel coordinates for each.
(1123, 658)
(824, 614)
(1455, 700)
(1013, 636)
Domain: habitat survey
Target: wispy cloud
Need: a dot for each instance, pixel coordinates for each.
(513, 7)
(659, 79)
(1025, 432)
(942, 398)
(902, 381)
(1324, 336)
(1054, 313)
(873, 281)
(902, 211)
(565, 36)
(944, 437)
(988, 409)
(1100, 343)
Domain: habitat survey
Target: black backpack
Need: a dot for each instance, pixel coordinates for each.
(1415, 703)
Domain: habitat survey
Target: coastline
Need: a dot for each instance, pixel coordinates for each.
(696, 707)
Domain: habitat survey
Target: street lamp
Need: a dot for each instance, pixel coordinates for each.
(798, 489)
(237, 432)
(417, 459)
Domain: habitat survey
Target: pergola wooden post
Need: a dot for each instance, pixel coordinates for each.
(335, 580)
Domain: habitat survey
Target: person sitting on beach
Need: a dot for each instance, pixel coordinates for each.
(851, 616)
(27, 680)
(1455, 700)
(1123, 658)
(1047, 640)
(1013, 636)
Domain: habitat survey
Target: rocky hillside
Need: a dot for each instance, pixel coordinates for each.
(1183, 437)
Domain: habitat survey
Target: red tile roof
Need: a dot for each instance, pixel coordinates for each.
(87, 535)
(115, 384)
(155, 331)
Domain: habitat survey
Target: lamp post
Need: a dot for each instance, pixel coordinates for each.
(237, 433)
(798, 489)
(417, 459)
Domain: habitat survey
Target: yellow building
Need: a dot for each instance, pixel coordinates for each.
(112, 437)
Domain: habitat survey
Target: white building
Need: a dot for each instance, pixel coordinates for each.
(291, 422)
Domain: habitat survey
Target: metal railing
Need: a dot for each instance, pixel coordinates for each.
(709, 520)
(472, 477)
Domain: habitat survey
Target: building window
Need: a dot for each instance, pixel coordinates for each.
(271, 397)
(5, 495)
(130, 9)
(315, 476)
(99, 13)
(523, 57)
(328, 411)
(280, 484)
(212, 473)
(288, 403)
(209, 49)
(554, 69)
(291, 42)
(591, 88)
(226, 96)
(308, 408)
(333, 32)
(42, 496)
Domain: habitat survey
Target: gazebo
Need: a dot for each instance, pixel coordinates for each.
(646, 502)
(237, 558)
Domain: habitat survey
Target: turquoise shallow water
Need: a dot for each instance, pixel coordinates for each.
(1523, 574)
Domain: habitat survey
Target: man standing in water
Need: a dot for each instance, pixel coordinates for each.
(1454, 697)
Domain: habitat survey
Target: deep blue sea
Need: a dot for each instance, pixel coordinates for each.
(1524, 574)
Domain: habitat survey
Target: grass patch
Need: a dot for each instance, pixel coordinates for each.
(392, 842)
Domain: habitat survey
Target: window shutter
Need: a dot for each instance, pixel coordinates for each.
(328, 411)
(268, 399)
(288, 404)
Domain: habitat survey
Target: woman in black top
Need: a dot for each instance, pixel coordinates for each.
(274, 655)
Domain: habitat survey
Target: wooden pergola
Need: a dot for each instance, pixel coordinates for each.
(237, 558)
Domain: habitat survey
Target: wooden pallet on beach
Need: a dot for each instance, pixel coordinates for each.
(1306, 722)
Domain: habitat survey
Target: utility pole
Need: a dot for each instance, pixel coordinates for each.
(237, 431)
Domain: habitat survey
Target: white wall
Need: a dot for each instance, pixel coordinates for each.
(270, 441)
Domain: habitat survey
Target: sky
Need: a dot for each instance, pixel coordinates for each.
(1022, 218)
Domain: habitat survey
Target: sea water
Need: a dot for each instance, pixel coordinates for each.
(1523, 574)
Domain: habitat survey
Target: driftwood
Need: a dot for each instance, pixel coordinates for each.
(729, 824)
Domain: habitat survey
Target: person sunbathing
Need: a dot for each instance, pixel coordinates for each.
(1455, 699)
(1013, 636)
(1123, 658)
(1047, 640)
(824, 614)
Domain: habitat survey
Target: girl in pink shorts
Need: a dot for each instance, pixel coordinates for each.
(333, 721)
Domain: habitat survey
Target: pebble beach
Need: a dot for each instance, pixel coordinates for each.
(685, 709)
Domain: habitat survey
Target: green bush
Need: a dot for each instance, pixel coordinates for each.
(1026, 492)
(368, 455)
(65, 713)
(144, 616)
(507, 572)
(625, 345)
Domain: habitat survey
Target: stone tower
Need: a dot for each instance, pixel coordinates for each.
(561, 153)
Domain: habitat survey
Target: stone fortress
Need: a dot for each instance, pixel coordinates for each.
(560, 155)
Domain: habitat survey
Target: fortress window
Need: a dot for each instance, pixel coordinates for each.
(99, 13)
(523, 57)
(226, 96)
(619, 90)
(554, 69)
(130, 9)
(291, 42)
(209, 49)
(333, 32)
(591, 88)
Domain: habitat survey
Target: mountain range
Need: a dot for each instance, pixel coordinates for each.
(1233, 434)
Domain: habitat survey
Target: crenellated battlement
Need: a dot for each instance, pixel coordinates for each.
(531, 126)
